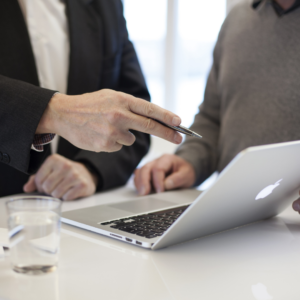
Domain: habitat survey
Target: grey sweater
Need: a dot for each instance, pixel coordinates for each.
(252, 95)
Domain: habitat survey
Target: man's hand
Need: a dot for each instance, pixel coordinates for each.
(101, 121)
(62, 178)
(165, 173)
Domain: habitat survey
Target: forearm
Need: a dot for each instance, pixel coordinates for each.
(22, 106)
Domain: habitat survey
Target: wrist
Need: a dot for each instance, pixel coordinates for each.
(50, 121)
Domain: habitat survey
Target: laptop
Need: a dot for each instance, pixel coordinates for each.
(259, 183)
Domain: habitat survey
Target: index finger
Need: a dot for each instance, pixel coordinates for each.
(150, 126)
(153, 111)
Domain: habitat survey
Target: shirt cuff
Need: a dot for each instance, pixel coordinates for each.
(40, 140)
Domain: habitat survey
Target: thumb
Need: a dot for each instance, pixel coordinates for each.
(30, 185)
(175, 180)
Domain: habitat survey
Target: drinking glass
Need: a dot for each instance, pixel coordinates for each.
(34, 231)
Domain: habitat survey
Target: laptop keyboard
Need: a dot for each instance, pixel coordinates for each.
(148, 225)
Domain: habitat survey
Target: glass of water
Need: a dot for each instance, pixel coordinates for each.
(34, 231)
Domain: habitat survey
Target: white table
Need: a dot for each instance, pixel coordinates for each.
(259, 261)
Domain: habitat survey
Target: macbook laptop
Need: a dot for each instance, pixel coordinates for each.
(259, 183)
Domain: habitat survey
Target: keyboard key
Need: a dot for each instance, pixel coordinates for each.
(170, 222)
(139, 228)
(117, 222)
(151, 227)
(157, 231)
(140, 233)
(164, 227)
(150, 236)
(160, 224)
(106, 223)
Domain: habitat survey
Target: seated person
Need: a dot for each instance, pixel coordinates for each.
(81, 50)
(252, 96)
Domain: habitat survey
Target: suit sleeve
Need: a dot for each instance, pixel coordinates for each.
(22, 106)
(203, 153)
(114, 169)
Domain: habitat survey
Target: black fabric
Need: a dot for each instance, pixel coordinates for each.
(279, 10)
(101, 57)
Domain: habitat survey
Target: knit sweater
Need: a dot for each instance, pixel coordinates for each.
(252, 96)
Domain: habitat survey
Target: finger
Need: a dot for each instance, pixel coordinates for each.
(53, 180)
(74, 193)
(142, 180)
(150, 110)
(160, 169)
(296, 205)
(63, 187)
(179, 179)
(126, 139)
(158, 178)
(150, 126)
(30, 186)
(43, 172)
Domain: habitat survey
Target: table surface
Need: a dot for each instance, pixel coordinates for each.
(259, 261)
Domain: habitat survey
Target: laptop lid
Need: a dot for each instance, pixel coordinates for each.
(259, 183)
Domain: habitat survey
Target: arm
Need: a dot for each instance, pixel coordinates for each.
(97, 121)
(22, 106)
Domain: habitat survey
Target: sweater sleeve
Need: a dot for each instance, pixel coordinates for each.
(203, 153)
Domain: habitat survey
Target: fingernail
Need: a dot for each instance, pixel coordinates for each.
(296, 206)
(178, 138)
(176, 121)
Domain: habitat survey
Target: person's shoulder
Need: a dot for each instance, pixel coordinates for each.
(240, 9)
(238, 14)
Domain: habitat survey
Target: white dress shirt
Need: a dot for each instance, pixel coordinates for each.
(48, 31)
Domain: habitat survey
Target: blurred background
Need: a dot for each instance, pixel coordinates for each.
(174, 40)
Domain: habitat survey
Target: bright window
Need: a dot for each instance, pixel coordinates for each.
(174, 40)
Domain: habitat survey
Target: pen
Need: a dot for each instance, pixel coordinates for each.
(182, 129)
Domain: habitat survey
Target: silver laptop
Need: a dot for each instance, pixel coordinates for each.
(259, 183)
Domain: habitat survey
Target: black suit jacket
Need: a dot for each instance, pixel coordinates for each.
(101, 57)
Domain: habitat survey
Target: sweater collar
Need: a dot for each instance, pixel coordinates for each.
(278, 9)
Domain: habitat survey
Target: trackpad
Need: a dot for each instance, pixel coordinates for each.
(143, 205)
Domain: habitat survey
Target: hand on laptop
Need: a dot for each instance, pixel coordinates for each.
(165, 173)
(296, 204)
(62, 178)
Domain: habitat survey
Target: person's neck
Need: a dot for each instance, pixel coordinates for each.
(285, 4)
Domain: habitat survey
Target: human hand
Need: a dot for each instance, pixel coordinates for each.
(165, 173)
(101, 121)
(62, 178)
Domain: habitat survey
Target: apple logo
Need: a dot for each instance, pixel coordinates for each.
(267, 190)
(260, 292)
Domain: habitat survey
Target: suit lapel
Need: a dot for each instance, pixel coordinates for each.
(86, 44)
(16, 55)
